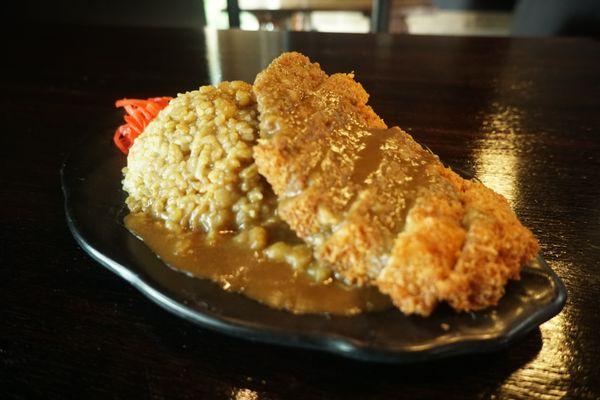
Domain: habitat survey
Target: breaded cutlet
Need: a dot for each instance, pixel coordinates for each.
(376, 206)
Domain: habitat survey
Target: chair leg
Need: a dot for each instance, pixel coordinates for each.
(380, 16)
(233, 13)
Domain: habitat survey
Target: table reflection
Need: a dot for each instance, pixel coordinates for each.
(244, 394)
(498, 153)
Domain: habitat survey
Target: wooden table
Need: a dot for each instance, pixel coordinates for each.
(295, 14)
(523, 115)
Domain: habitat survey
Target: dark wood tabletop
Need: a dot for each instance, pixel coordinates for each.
(523, 115)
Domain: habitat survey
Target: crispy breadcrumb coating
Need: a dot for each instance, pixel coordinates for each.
(410, 226)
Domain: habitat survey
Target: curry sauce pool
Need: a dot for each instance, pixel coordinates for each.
(236, 268)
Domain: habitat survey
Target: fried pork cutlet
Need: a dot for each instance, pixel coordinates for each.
(376, 206)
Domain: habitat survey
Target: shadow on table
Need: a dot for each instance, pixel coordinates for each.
(274, 371)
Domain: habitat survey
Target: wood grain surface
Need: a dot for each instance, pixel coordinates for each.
(522, 114)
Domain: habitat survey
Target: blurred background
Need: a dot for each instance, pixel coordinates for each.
(430, 17)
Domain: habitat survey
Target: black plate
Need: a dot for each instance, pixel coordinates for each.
(94, 203)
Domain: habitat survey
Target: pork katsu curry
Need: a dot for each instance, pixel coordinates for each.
(294, 192)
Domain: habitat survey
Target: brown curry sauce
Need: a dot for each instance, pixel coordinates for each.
(238, 269)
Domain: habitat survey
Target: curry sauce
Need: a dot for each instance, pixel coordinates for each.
(238, 269)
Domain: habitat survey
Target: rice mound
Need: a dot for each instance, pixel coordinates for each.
(193, 166)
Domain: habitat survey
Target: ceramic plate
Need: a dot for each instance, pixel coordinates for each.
(94, 203)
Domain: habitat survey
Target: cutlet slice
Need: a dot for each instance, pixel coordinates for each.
(299, 114)
(376, 206)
